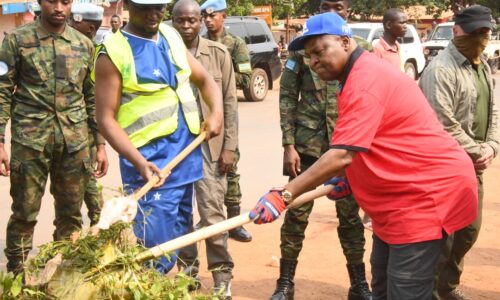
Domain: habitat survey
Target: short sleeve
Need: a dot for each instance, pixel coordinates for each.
(360, 115)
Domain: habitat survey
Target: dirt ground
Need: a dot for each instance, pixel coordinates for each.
(321, 273)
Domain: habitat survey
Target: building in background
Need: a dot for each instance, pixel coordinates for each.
(14, 13)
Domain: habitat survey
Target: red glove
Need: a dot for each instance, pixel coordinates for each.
(341, 188)
(269, 208)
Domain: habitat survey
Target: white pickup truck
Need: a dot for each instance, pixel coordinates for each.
(443, 33)
(411, 48)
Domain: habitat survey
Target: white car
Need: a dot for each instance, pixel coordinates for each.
(442, 35)
(411, 47)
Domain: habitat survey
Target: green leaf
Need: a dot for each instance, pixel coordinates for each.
(17, 285)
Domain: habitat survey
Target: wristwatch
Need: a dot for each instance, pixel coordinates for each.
(287, 197)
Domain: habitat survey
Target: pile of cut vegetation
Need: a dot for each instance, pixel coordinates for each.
(73, 269)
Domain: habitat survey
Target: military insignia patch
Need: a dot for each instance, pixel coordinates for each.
(290, 64)
(246, 67)
(3, 68)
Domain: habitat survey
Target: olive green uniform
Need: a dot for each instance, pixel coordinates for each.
(47, 93)
(308, 111)
(243, 71)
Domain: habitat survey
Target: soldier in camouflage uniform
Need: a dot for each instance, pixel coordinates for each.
(87, 18)
(214, 13)
(45, 89)
(308, 111)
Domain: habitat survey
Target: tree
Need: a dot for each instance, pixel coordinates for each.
(367, 8)
(363, 8)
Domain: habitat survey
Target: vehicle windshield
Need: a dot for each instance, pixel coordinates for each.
(442, 33)
(361, 32)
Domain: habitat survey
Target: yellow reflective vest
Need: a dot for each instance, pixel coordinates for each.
(149, 111)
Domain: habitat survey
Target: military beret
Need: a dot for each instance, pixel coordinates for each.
(211, 6)
(151, 2)
(87, 12)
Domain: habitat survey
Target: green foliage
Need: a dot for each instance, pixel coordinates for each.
(73, 278)
(11, 287)
(363, 8)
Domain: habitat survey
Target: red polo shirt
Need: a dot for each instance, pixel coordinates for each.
(392, 55)
(409, 174)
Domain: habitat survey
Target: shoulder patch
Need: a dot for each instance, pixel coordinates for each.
(290, 64)
(3, 68)
(244, 67)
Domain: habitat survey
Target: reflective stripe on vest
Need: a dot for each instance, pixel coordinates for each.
(149, 111)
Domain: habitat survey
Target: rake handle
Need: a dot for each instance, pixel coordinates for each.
(170, 166)
(207, 232)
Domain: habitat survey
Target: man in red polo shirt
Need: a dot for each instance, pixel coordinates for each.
(387, 46)
(405, 170)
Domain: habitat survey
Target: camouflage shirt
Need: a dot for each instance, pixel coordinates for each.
(240, 56)
(308, 105)
(44, 82)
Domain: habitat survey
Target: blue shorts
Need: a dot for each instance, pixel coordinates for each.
(164, 215)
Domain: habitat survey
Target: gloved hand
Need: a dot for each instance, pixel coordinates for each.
(341, 188)
(268, 208)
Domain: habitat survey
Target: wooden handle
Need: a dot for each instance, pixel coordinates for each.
(206, 232)
(170, 166)
(320, 191)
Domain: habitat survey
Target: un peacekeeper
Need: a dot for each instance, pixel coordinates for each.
(214, 13)
(46, 91)
(87, 18)
(308, 111)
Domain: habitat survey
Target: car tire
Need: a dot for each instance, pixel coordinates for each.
(494, 64)
(259, 85)
(411, 70)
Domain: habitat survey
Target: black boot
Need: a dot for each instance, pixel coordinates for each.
(192, 272)
(239, 233)
(284, 285)
(222, 284)
(16, 267)
(359, 289)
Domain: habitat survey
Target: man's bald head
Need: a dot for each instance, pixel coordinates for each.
(186, 19)
(186, 6)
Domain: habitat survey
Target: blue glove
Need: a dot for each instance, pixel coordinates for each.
(341, 188)
(269, 208)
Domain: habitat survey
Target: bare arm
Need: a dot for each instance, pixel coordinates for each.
(211, 94)
(108, 93)
(330, 164)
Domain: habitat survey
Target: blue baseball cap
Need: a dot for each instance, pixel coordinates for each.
(326, 23)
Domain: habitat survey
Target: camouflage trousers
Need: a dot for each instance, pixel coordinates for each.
(233, 194)
(350, 229)
(93, 196)
(69, 174)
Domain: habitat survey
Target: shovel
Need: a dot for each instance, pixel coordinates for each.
(125, 208)
(210, 231)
